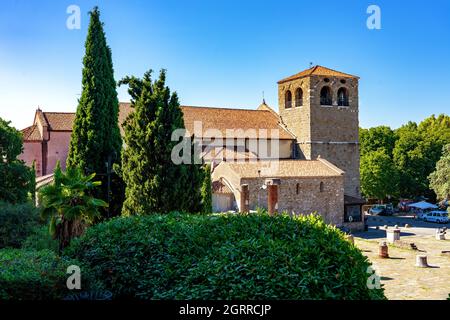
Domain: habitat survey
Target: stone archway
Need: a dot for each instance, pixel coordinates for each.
(223, 197)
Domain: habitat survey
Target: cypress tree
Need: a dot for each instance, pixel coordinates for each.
(96, 138)
(206, 190)
(154, 183)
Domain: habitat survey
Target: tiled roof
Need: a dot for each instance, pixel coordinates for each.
(318, 71)
(60, 121)
(283, 168)
(223, 119)
(211, 118)
(352, 200)
(31, 133)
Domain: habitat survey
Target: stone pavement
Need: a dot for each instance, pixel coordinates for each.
(401, 279)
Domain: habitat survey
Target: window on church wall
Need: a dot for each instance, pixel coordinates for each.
(321, 187)
(343, 97)
(288, 99)
(299, 97)
(325, 96)
(297, 188)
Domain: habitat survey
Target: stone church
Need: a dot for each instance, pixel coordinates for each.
(303, 159)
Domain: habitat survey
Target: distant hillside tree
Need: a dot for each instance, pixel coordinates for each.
(154, 183)
(16, 179)
(440, 178)
(96, 139)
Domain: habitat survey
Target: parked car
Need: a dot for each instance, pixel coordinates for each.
(389, 209)
(377, 210)
(382, 210)
(436, 217)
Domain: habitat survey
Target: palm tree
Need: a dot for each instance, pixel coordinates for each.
(68, 204)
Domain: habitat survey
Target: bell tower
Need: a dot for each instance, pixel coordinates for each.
(320, 106)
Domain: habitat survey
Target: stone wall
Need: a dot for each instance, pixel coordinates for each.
(57, 149)
(329, 202)
(32, 151)
(328, 131)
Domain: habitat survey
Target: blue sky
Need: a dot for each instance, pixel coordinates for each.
(225, 53)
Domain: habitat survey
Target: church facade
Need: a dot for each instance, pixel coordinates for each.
(309, 150)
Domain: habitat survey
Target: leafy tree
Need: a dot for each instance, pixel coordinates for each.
(375, 138)
(440, 178)
(206, 190)
(96, 136)
(15, 176)
(68, 204)
(378, 175)
(154, 183)
(416, 152)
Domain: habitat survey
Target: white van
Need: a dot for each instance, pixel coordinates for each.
(436, 216)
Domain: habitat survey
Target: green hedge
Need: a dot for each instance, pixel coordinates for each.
(37, 275)
(17, 222)
(40, 239)
(224, 257)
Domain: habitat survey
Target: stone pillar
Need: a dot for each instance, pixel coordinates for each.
(245, 196)
(392, 235)
(272, 198)
(421, 261)
(383, 250)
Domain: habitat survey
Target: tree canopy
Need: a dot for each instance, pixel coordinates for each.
(16, 180)
(154, 183)
(96, 138)
(414, 150)
(440, 178)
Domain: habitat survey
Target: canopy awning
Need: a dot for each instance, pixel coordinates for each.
(423, 205)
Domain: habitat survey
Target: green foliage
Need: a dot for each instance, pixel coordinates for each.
(376, 138)
(181, 256)
(378, 175)
(96, 136)
(154, 183)
(414, 150)
(418, 149)
(40, 239)
(440, 178)
(206, 190)
(68, 204)
(37, 275)
(17, 222)
(16, 177)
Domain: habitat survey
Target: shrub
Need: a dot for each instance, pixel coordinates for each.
(40, 239)
(17, 222)
(36, 275)
(224, 257)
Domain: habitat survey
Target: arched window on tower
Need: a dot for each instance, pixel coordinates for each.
(298, 97)
(288, 99)
(325, 96)
(343, 97)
